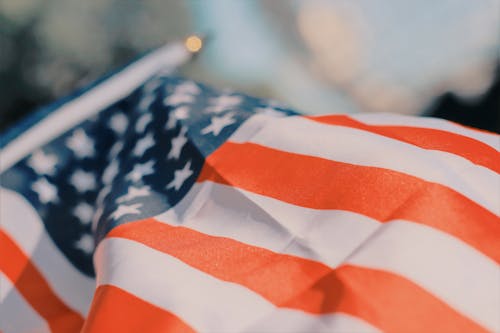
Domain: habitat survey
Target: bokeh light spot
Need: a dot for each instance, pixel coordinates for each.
(193, 43)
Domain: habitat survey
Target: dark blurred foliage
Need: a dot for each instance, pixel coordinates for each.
(18, 96)
(20, 92)
(314, 56)
(48, 48)
(483, 112)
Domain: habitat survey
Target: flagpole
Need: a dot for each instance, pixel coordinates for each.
(99, 97)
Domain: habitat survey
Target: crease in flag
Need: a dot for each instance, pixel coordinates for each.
(150, 202)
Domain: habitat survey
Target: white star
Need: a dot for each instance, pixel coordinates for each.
(83, 181)
(177, 144)
(81, 144)
(45, 190)
(171, 122)
(123, 210)
(140, 170)
(188, 87)
(142, 122)
(270, 112)
(110, 172)
(177, 99)
(84, 212)
(222, 103)
(227, 100)
(85, 243)
(115, 150)
(180, 176)
(218, 124)
(146, 102)
(42, 163)
(215, 109)
(118, 123)
(134, 192)
(143, 144)
(181, 112)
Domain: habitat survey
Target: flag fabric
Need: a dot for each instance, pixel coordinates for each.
(152, 203)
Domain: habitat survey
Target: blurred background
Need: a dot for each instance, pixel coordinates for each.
(424, 57)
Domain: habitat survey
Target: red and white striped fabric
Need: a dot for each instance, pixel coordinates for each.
(224, 221)
(287, 229)
(40, 290)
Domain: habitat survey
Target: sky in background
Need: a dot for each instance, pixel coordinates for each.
(319, 56)
(414, 47)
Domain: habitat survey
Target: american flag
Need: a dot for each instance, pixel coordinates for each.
(171, 206)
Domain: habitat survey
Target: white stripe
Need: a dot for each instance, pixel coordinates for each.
(349, 145)
(443, 265)
(456, 273)
(324, 235)
(205, 303)
(16, 315)
(202, 301)
(338, 322)
(93, 101)
(21, 222)
(387, 119)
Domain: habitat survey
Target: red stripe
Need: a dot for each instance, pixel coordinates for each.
(381, 194)
(385, 300)
(116, 310)
(475, 151)
(28, 280)
(392, 302)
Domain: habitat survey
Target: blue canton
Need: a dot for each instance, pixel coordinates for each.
(134, 160)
